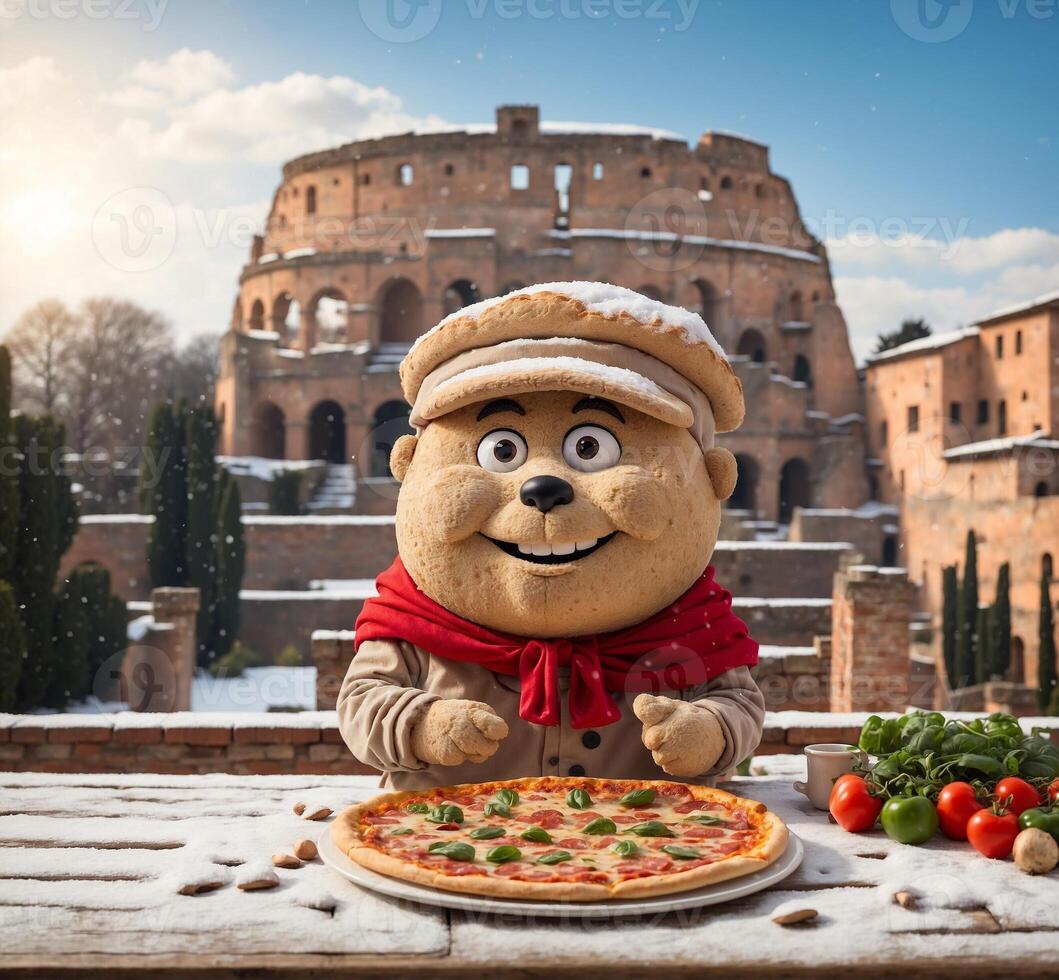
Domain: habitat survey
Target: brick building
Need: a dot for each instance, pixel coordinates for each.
(963, 432)
(369, 244)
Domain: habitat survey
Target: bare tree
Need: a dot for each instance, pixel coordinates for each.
(39, 343)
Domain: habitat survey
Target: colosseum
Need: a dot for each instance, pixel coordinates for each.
(369, 244)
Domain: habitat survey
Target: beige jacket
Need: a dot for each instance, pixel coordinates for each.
(389, 684)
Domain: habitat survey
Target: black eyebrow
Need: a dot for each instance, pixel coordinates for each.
(501, 405)
(600, 405)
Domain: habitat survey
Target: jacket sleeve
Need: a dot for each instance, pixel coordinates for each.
(737, 703)
(380, 702)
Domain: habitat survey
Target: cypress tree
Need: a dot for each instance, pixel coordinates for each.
(949, 626)
(9, 497)
(202, 519)
(984, 631)
(12, 648)
(231, 563)
(107, 627)
(1046, 671)
(967, 641)
(1000, 639)
(166, 497)
(33, 576)
(71, 644)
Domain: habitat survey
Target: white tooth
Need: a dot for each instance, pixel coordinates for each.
(562, 549)
(585, 545)
(525, 549)
(540, 550)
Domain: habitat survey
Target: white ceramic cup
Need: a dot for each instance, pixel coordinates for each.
(826, 762)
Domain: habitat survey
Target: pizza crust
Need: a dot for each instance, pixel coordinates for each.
(345, 832)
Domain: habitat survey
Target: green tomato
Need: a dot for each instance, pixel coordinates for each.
(910, 819)
(1044, 818)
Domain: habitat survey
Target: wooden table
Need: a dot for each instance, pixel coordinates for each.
(91, 868)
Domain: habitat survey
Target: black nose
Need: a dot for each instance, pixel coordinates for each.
(546, 492)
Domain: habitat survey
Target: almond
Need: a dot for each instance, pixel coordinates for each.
(299, 808)
(200, 887)
(906, 900)
(795, 918)
(260, 882)
(285, 861)
(305, 849)
(317, 813)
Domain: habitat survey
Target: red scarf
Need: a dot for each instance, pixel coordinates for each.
(686, 644)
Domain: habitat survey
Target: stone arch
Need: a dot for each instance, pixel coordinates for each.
(389, 422)
(796, 307)
(268, 431)
(744, 497)
(1041, 488)
(795, 488)
(287, 318)
(329, 315)
(752, 344)
(327, 432)
(458, 294)
(257, 315)
(802, 371)
(701, 297)
(651, 291)
(405, 174)
(726, 183)
(400, 312)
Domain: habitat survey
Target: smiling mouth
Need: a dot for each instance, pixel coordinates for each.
(551, 554)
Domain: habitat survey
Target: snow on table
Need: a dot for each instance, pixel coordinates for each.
(91, 868)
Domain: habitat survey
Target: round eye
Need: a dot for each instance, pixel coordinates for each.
(502, 451)
(590, 448)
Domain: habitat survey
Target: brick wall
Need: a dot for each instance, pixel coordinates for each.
(305, 743)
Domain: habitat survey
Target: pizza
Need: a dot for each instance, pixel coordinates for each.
(555, 838)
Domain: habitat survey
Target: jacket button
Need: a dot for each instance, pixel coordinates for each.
(591, 740)
(553, 760)
(576, 770)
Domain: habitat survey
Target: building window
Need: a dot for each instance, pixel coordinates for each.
(884, 433)
(449, 170)
(726, 183)
(913, 418)
(1041, 489)
(645, 172)
(955, 410)
(983, 411)
(759, 190)
(1002, 418)
(1018, 341)
(999, 346)
(310, 200)
(1046, 565)
(597, 171)
(365, 179)
(405, 175)
(519, 177)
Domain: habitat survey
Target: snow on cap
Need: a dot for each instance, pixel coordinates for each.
(675, 340)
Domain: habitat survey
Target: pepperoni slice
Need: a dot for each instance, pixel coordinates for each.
(703, 833)
(462, 868)
(572, 843)
(511, 868)
(545, 819)
(460, 800)
(592, 876)
(729, 847)
(691, 806)
(656, 864)
(380, 821)
(605, 842)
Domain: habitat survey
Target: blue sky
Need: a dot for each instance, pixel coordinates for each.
(928, 164)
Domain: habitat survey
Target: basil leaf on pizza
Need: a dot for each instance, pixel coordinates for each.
(497, 809)
(651, 828)
(601, 825)
(445, 813)
(638, 797)
(626, 848)
(555, 857)
(536, 834)
(487, 833)
(503, 854)
(508, 797)
(578, 799)
(708, 820)
(681, 853)
(455, 850)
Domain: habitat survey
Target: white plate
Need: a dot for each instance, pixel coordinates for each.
(723, 891)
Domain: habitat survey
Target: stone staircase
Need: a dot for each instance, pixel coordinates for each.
(386, 358)
(337, 491)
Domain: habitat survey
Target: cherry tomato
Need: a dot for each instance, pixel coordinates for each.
(910, 819)
(1053, 792)
(852, 805)
(1016, 795)
(993, 834)
(956, 805)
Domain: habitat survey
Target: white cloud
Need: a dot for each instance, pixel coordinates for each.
(184, 75)
(28, 80)
(271, 121)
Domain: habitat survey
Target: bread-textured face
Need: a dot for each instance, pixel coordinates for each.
(653, 513)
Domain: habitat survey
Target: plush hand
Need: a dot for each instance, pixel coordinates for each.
(684, 739)
(453, 732)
